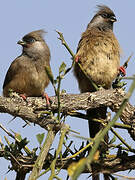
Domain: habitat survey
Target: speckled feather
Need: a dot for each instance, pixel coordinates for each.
(99, 55)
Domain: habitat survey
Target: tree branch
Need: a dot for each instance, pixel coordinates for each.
(108, 165)
(36, 111)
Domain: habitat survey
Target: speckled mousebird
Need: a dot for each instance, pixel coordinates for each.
(26, 74)
(98, 53)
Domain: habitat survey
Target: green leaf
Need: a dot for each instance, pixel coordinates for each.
(62, 67)
(40, 138)
(18, 137)
(120, 144)
(63, 91)
(49, 73)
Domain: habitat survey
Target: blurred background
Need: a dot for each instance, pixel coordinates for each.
(71, 18)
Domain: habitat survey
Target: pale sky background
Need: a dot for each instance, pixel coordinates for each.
(70, 17)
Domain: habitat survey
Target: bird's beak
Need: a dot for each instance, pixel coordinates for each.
(21, 42)
(113, 19)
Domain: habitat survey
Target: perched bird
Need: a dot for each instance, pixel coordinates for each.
(26, 74)
(97, 60)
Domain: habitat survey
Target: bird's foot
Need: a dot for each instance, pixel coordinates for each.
(23, 96)
(122, 71)
(77, 59)
(48, 100)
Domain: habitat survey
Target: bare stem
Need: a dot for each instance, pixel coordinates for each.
(61, 38)
(64, 130)
(122, 140)
(42, 155)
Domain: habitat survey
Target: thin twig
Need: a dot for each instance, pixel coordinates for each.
(79, 152)
(4, 129)
(42, 155)
(58, 96)
(124, 177)
(15, 159)
(84, 116)
(61, 38)
(125, 65)
(122, 140)
(26, 149)
(44, 172)
(64, 130)
(119, 147)
(128, 78)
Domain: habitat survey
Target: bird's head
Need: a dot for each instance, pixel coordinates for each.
(34, 45)
(104, 17)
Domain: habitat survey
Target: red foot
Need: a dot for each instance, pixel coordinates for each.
(122, 71)
(77, 59)
(45, 95)
(23, 96)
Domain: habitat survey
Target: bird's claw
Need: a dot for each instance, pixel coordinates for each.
(122, 71)
(77, 59)
(23, 96)
(48, 100)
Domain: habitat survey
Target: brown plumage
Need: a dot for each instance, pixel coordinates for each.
(26, 74)
(98, 54)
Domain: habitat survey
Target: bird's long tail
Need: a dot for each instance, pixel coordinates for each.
(94, 128)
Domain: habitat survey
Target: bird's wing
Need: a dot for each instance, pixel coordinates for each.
(13, 70)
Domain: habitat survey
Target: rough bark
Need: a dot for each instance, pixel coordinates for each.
(31, 110)
(34, 110)
(106, 165)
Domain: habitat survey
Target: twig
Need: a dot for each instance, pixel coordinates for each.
(58, 97)
(42, 155)
(67, 149)
(84, 116)
(128, 78)
(7, 141)
(4, 129)
(56, 177)
(122, 140)
(125, 65)
(15, 159)
(124, 177)
(64, 130)
(122, 126)
(61, 38)
(26, 149)
(119, 147)
(44, 172)
(80, 151)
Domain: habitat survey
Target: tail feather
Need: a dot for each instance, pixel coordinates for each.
(94, 128)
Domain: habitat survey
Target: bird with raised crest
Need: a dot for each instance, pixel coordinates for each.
(26, 74)
(98, 61)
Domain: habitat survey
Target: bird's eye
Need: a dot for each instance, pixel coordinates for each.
(104, 15)
(29, 39)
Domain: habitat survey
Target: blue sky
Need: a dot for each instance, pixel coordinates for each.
(70, 17)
